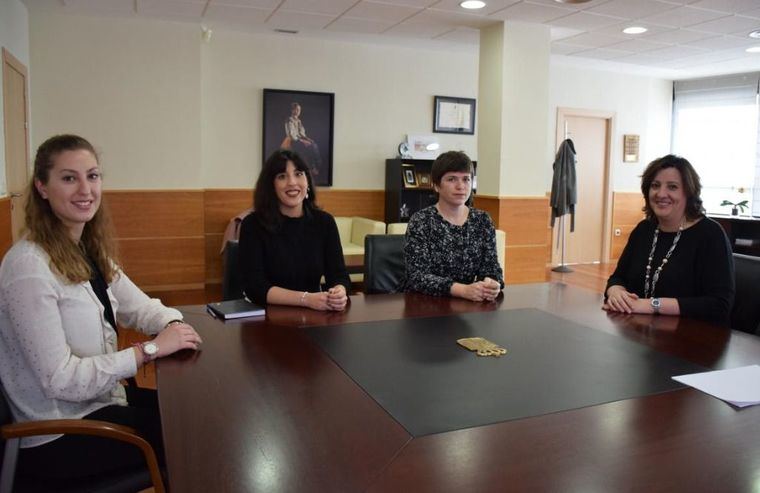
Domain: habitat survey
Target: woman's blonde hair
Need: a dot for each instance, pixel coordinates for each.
(44, 228)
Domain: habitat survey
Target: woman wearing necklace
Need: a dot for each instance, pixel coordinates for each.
(450, 247)
(676, 261)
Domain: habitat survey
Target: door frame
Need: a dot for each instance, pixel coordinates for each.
(609, 116)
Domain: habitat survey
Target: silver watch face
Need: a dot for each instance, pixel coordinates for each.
(150, 348)
(656, 302)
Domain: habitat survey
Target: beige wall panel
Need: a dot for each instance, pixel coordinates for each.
(154, 214)
(157, 263)
(525, 264)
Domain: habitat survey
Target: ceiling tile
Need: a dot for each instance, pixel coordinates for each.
(417, 29)
(639, 45)
(683, 16)
(617, 29)
(491, 6)
(530, 12)
(413, 3)
(563, 32)
(675, 52)
(452, 19)
(722, 43)
(602, 54)
(641, 59)
(755, 13)
(330, 7)
(679, 36)
(381, 12)
(351, 25)
(631, 9)
(728, 6)
(593, 40)
(572, 6)
(260, 4)
(585, 21)
(565, 49)
(727, 25)
(287, 19)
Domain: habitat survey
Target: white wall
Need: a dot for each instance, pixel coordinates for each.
(642, 106)
(132, 87)
(14, 37)
(382, 93)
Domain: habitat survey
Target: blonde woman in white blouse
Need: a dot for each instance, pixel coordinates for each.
(61, 296)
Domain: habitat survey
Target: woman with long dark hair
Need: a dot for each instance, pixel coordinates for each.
(288, 244)
(62, 294)
(677, 261)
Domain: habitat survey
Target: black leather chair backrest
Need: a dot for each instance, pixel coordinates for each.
(232, 284)
(384, 267)
(745, 315)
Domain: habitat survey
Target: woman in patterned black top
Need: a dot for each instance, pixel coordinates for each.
(450, 247)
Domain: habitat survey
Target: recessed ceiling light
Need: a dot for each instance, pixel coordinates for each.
(755, 34)
(472, 4)
(754, 49)
(635, 30)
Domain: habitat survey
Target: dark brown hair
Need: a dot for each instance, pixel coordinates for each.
(265, 202)
(456, 161)
(47, 230)
(689, 179)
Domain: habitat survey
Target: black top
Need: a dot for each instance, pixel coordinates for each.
(699, 273)
(438, 253)
(100, 286)
(295, 256)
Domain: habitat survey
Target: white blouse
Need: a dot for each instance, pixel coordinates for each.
(58, 353)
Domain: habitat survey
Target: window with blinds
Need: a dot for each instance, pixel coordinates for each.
(715, 127)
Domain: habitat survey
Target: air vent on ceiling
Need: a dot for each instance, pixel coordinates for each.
(286, 31)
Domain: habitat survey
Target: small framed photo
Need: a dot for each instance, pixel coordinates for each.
(410, 175)
(453, 115)
(423, 179)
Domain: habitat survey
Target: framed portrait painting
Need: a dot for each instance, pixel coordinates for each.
(301, 121)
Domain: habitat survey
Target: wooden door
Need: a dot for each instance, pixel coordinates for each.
(16, 137)
(590, 135)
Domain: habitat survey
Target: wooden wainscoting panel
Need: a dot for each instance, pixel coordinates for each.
(6, 234)
(221, 205)
(525, 220)
(490, 205)
(626, 214)
(363, 203)
(158, 264)
(214, 259)
(156, 213)
(525, 264)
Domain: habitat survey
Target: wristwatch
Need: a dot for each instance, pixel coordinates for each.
(655, 305)
(149, 350)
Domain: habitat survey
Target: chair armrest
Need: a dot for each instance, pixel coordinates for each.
(362, 227)
(89, 427)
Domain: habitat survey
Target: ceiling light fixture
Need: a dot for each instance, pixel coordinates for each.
(472, 4)
(635, 30)
(755, 34)
(754, 49)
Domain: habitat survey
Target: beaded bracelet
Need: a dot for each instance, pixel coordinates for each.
(173, 322)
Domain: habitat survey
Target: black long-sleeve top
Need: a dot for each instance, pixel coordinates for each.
(438, 253)
(296, 256)
(699, 273)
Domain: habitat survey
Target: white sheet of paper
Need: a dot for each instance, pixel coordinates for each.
(738, 386)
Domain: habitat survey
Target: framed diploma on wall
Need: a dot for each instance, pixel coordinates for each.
(453, 115)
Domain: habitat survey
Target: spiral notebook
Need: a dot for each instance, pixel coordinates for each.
(227, 310)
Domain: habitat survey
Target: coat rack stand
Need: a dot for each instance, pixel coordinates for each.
(562, 267)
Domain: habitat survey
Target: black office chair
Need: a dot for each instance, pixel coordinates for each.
(232, 284)
(745, 315)
(121, 482)
(384, 268)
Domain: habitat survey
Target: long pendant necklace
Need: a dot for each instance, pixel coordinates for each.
(656, 275)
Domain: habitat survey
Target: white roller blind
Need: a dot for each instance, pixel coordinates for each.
(715, 126)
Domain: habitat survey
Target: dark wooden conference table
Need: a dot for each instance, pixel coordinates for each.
(264, 407)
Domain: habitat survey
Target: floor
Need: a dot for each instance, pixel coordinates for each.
(587, 276)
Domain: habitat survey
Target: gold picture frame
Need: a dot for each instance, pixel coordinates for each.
(409, 176)
(630, 148)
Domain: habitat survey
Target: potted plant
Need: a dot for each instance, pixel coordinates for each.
(735, 206)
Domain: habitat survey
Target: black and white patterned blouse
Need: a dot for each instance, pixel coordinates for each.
(438, 253)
